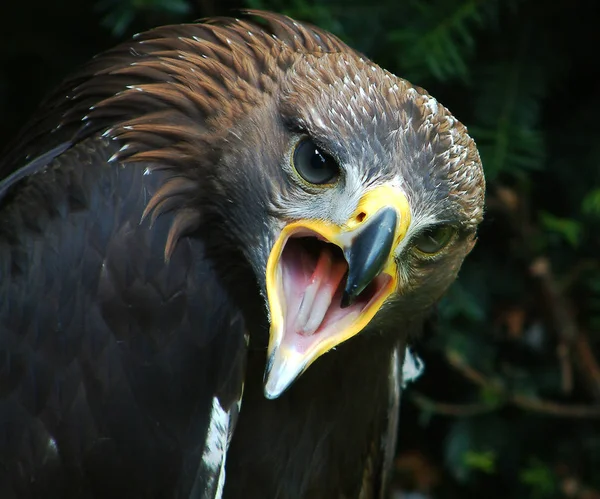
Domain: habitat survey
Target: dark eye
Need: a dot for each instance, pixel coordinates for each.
(432, 240)
(314, 165)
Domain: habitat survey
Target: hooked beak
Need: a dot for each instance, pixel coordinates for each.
(369, 253)
(325, 282)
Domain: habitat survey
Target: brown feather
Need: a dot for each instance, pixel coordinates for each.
(185, 222)
(174, 188)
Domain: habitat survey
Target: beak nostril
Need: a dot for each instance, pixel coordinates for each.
(361, 216)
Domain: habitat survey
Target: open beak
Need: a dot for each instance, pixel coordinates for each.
(325, 282)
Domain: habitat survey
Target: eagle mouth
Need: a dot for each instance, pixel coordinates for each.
(325, 282)
(312, 275)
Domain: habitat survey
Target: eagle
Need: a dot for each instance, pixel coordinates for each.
(216, 242)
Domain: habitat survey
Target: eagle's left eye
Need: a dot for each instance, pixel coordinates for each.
(434, 239)
(313, 164)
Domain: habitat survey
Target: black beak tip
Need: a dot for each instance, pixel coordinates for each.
(346, 300)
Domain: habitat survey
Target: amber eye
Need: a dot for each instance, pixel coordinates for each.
(314, 165)
(434, 239)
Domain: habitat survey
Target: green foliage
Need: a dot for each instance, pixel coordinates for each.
(119, 14)
(540, 479)
(567, 228)
(441, 41)
(507, 113)
(591, 202)
(472, 449)
(482, 461)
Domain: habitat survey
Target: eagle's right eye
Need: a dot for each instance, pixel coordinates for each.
(313, 164)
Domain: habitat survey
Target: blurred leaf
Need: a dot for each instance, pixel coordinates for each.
(540, 478)
(119, 14)
(591, 203)
(508, 104)
(473, 445)
(492, 397)
(440, 38)
(568, 229)
(484, 461)
(459, 301)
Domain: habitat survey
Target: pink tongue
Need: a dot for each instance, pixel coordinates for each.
(308, 296)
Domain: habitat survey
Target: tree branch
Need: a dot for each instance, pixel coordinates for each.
(522, 401)
(572, 340)
(458, 410)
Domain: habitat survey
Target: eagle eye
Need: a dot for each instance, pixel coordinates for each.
(313, 164)
(433, 239)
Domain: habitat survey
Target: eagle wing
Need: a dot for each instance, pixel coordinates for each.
(120, 372)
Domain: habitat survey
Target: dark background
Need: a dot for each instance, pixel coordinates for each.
(509, 405)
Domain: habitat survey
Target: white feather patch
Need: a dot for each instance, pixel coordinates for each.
(412, 367)
(215, 448)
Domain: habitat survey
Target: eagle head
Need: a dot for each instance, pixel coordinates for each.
(351, 195)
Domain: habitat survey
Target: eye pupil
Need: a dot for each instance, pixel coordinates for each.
(314, 165)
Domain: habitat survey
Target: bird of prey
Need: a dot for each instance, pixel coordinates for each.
(215, 242)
